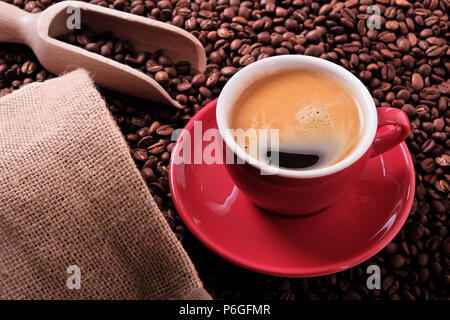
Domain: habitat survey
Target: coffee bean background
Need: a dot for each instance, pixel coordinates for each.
(405, 64)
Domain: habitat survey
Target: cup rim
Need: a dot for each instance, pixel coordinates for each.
(240, 80)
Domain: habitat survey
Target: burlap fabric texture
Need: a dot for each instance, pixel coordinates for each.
(70, 195)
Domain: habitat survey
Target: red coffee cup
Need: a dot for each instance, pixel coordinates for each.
(301, 192)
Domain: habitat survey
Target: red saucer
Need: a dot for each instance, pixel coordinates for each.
(351, 231)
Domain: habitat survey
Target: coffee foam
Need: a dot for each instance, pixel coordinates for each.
(315, 113)
(312, 118)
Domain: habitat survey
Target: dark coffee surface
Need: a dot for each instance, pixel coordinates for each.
(404, 64)
(293, 160)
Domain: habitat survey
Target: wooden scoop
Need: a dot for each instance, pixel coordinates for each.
(39, 31)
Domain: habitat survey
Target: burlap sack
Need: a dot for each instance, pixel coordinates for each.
(70, 194)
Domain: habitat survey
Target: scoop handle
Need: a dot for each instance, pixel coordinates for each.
(13, 23)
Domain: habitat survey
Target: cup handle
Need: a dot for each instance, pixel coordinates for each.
(396, 133)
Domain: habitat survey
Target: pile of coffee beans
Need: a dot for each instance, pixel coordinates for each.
(178, 79)
(403, 61)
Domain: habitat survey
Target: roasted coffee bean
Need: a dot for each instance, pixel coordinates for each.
(443, 161)
(183, 67)
(93, 47)
(417, 81)
(430, 93)
(228, 71)
(145, 142)
(387, 36)
(164, 60)
(148, 174)
(164, 130)
(106, 50)
(153, 127)
(183, 87)
(409, 110)
(140, 155)
(181, 99)
(427, 165)
(198, 80)
(156, 148)
(397, 261)
(28, 67)
(162, 77)
(314, 35)
(415, 231)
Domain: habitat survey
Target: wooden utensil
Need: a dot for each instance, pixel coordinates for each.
(39, 31)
